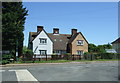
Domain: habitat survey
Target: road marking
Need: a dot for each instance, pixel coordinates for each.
(24, 75)
(2, 70)
(11, 70)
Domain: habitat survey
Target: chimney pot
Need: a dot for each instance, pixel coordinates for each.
(55, 30)
(39, 28)
(74, 31)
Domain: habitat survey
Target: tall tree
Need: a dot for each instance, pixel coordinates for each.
(13, 19)
(98, 49)
(92, 48)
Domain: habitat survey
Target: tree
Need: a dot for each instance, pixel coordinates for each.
(98, 49)
(92, 48)
(13, 19)
(28, 53)
(101, 48)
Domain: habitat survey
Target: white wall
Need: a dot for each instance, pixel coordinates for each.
(48, 46)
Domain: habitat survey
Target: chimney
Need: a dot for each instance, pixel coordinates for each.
(39, 28)
(55, 30)
(73, 31)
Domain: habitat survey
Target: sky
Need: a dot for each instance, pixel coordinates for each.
(98, 21)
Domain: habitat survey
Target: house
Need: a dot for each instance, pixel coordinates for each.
(42, 42)
(116, 45)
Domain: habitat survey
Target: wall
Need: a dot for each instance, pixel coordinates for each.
(116, 46)
(48, 46)
(75, 47)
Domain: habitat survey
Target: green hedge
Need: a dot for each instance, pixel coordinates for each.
(27, 55)
(95, 56)
(6, 58)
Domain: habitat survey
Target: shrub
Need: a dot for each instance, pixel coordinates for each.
(107, 55)
(6, 58)
(28, 54)
(67, 56)
(54, 56)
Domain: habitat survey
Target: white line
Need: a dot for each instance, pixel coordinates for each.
(2, 70)
(15, 70)
(24, 75)
(11, 70)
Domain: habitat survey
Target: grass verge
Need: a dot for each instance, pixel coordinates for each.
(63, 61)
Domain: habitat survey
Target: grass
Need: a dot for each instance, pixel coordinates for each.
(63, 61)
(53, 61)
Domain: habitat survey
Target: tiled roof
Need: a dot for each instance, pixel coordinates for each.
(116, 41)
(60, 41)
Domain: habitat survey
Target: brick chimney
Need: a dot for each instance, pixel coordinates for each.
(73, 31)
(39, 28)
(55, 30)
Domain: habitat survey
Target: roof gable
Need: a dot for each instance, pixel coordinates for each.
(116, 41)
(36, 34)
(74, 36)
(60, 40)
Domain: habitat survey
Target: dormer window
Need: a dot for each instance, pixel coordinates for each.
(80, 42)
(43, 40)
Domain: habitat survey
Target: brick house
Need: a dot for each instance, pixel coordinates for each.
(116, 45)
(74, 43)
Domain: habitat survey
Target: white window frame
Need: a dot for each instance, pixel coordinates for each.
(43, 41)
(80, 52)
(80, 42)
(43, 52)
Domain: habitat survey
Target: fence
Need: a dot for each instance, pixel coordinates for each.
(73, 57)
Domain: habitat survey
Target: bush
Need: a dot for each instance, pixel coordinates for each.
(67, 56)
(28, 54)
(6, 58)
(108, 56)
(56, 56)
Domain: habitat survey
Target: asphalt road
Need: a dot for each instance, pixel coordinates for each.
(62, 72)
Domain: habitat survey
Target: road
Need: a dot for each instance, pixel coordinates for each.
(62, 72)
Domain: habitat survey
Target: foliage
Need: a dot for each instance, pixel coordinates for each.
(28, 53)
(98, 49)
(24, 49)
(13, 19)
(92, 48)
(86, 53)
(97, 56)
(6, 58)
(67, 56)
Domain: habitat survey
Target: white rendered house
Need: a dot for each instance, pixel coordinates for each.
(41, 44)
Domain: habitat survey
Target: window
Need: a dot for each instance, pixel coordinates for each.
(79, 42)
(43, 41)
(79, 52)
(60, 40)
(54, 39)
(59, 52)
(43, 52)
